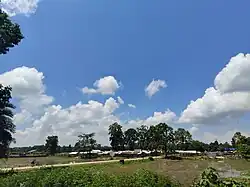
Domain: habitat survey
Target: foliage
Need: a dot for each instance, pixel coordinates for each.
(86, 142)
(51, 144)
(116, 137)
(142, 136)
(130, 137)
(243, 149)
(182, 139)
(10, 33)
(7, 128)
(66, 177)
(210, 178)
(165, 135)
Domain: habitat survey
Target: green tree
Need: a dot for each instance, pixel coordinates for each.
(130, 137)
(165, 136)
(51, 144)
(86, 142)
(197, 145)
(153, 138)
(10, 33)
(214, 146)
(142, 132)
(238, 138)
(182, 139)
(243, 149)
(7, 127)
(116, 137)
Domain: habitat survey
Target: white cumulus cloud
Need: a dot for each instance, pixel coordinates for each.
(235, 76)
(105, 86)
(93, 116)
(28, 87)
(14, 7)
(154, 87)
(228, 99)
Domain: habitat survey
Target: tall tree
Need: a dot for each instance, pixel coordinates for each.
(165, 134)
(116, 137)
(238, 138)
(214, 146)
(153, 138)
(10, 33)
(86, 142)
(7, 127)
(142, 132)
(182, 138)
(131, 138)
(51, 144)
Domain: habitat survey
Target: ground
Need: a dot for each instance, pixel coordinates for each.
(184, 171)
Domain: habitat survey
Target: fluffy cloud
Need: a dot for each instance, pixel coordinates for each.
(105, 86)
(229, 98)
(27, 86)
(69, 122)
(235, 76)
(120, 100)
(14, 7)
(33, 128)
(155, 87)
(131, 106)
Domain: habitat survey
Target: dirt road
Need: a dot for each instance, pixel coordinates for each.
(70, 164)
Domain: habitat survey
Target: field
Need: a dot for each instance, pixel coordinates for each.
(184, 171)
(50, 160)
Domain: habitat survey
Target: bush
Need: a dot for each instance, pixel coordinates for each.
(76, 177)
(151, 158)
(210, 177)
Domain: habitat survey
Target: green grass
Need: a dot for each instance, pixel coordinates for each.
(50, 160)
(84, 177)
(184, 171)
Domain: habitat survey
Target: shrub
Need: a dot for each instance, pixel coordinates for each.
(210, 177)
(151, 158)
(76, 177)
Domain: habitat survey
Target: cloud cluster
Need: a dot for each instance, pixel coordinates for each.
(153, 87)
(14, 7)
(37, 116)
(105, 86)
(228, 99)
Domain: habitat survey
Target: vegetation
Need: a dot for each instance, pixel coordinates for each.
(210, 177)
(7, 128)
(10, 33)
(65, 177)
(51, 144)
(116, 137)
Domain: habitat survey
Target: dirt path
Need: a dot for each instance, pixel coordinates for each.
(70, 164)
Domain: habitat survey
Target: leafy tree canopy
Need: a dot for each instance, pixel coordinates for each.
(10, 33)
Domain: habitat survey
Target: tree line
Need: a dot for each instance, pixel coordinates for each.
(154, 138)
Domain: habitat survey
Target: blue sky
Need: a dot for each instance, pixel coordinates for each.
(184, 43)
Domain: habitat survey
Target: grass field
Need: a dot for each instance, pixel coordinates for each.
(50, 160)
(183, 171)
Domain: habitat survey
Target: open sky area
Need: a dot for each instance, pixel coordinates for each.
(85, 64)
